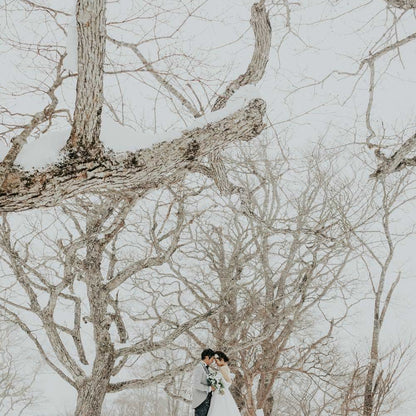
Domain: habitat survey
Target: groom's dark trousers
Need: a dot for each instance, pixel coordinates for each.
(202, 409)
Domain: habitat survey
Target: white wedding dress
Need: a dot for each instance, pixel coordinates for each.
(223, 404)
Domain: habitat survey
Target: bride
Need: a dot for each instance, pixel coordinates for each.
(223, 404)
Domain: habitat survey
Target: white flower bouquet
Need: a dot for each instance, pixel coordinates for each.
(215, 380)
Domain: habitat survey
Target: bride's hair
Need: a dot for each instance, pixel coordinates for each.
(222, 356)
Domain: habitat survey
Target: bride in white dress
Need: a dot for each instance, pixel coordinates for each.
(223, 404)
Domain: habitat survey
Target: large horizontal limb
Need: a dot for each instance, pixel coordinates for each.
(143, 170)
(396, 162)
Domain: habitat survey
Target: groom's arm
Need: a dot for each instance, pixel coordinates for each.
(198, 379)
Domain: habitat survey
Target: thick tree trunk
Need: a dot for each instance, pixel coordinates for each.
(268, 406)
(91, 396)
(91, 30)
(237, 389)
(93, 390)
(264, 398)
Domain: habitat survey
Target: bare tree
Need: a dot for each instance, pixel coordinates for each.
(340, 393)
(378, 382)
(89, 252)
(270, 265)
(364, 385)
(83, 273)
(381, 54)
(270, 254)
(86, 162)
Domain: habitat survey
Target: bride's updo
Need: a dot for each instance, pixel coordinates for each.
(221, 356)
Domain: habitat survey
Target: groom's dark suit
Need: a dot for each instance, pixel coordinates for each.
(203, 408)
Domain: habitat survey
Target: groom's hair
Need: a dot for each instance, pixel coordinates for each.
(207, 353)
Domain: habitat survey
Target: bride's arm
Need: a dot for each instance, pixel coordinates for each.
(225, 371)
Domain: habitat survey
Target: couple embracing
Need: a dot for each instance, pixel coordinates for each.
(210, 388)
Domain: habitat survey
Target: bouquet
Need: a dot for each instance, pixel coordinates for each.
(215, 379)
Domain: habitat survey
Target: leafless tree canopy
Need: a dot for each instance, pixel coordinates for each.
(75, 288)
(268, 265)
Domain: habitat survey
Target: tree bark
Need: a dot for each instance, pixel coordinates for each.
(369, 381)
(402, 4)
(91, 30)
(91, 396)
(94, 388)
(397, 161)
(237, 389)
(143, 170)
(264, 391)
(88, 168)
(263, 39)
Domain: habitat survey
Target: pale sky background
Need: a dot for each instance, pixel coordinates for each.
(328, 35)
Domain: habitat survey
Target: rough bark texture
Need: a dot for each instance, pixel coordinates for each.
(255, 70)
(402, 4)
(89, 99)
(264, 391)
(238, 388)
(398, 160)
(91, 396)
(92, 391)
(145, 169)
(372, 367)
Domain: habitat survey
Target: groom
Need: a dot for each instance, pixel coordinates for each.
(201, 390)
